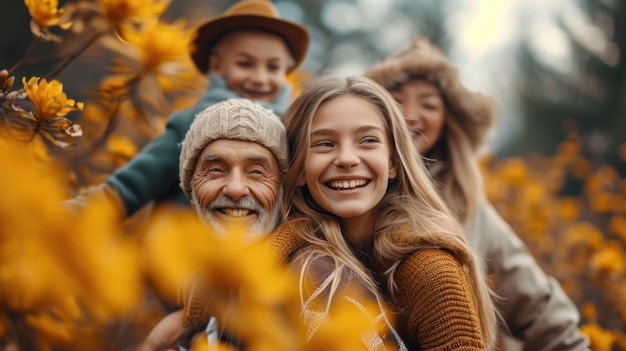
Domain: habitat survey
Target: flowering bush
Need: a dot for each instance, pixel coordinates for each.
(83, 281)
(572, 216)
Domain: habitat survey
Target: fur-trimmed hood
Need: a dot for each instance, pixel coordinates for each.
(474, 112)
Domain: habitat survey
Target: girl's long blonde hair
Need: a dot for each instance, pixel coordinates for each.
(411, 201)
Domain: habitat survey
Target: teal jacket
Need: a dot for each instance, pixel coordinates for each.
(153, 174)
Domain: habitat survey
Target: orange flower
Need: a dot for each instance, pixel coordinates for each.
(568, 209)
(534, 193)
(298, 79)
(45, 14)
(569, 149)
(584, 233)
(119, 11)
(581, 167)
(617, 225)
(49, 99)
(51, 328)
(609, 259)
(51, 105)
(514, 171)
(589, 311)
(53, 260)
(122, 146)
(156, 53)
(601, 339)
(177, 234)
(604, 202)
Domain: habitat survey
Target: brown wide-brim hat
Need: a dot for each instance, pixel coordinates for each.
(249, 14)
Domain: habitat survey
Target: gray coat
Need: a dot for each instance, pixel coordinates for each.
(535, 308)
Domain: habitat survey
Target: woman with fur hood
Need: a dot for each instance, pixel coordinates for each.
(449, 125)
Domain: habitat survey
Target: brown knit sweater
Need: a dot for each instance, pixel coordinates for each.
(436, 309)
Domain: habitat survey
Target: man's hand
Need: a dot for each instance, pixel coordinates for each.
(168, 334)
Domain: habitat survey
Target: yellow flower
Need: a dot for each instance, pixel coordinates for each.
(160, 43)
(45, 14)
(621, 297)
(119, 11)
(158, 53)
(617, 225)
(177, 243)
(601, 339)
(156, 66)
(514, 171)
(53, 261)
(581, 168)
(122, 146)
(604, 202)
(51, 105)
(589, 311)
(609, 259)
(49, 99)
(346, 325)
(298, 79)
(51, 328)
(584, 233)
(569, 149)
(568, 208)
(534, 193)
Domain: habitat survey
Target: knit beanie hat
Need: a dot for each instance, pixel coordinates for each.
(237, 119)
(474, 112)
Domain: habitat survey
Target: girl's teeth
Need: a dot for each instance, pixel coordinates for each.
(347, 184)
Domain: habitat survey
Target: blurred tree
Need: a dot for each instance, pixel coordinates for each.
(589, 96)
(350, 36)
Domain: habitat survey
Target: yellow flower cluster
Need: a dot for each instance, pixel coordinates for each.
(573, 219)
(45, 14)
(49, 99)
(59, 267)
(70, 274)
(119, 11)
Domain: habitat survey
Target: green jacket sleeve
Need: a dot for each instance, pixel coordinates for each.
(153, 174)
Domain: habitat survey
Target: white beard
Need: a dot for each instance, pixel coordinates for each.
(266, 221)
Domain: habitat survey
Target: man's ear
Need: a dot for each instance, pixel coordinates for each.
(214, 63)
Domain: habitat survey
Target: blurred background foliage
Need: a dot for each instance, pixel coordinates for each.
(559, 67)
(557, 164)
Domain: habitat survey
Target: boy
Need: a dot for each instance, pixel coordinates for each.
(247, 52)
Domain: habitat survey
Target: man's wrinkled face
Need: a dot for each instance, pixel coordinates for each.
(237, 182)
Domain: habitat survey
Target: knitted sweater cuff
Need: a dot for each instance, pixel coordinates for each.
(197, 303)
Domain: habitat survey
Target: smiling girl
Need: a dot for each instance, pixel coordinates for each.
(359, 203)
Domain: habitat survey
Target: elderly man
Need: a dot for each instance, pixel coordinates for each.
(231, 165)
(232, 162)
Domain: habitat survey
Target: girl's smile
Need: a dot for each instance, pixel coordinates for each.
(348, 164)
